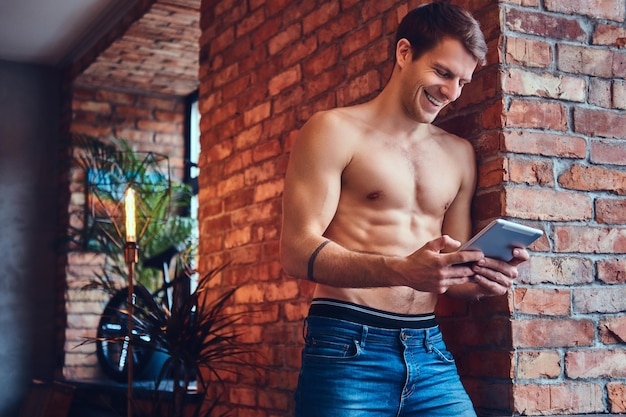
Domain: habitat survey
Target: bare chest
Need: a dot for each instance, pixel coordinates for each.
(424, 180)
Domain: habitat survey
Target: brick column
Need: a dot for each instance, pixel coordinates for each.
(563, 73)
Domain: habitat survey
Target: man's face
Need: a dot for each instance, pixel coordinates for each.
(435, 79)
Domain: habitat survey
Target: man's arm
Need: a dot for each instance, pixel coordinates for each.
(491, 277)
(310, 199)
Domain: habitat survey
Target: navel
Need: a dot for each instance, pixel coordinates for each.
(374, 195)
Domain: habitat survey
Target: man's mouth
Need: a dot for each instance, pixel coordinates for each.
(433, 100)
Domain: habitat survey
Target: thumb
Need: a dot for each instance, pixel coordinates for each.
(444, 242)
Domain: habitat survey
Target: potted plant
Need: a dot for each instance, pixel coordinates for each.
(194, 332)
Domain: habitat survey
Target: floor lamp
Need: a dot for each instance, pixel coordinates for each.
(131, 257)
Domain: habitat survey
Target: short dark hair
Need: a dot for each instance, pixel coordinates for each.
(425, 26)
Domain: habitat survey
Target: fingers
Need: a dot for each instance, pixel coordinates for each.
(490, 287)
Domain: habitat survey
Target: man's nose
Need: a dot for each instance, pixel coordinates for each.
(452, 90)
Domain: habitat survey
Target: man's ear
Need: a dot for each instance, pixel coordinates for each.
(404, 53)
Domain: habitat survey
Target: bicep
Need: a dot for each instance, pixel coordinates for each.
(313, 181)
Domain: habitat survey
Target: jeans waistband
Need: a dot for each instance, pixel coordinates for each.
(343, 310)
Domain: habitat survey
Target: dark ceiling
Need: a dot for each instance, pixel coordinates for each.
(142, 45)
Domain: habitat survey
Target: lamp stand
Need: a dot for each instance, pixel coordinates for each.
(131, 257)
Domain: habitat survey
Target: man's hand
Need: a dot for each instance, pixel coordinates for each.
(430, 270)
(495, 277)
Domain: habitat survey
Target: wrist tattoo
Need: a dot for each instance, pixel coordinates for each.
(312, 260)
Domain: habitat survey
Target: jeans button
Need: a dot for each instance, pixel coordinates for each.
(403, 336)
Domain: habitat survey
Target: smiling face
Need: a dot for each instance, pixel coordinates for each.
(435, 79)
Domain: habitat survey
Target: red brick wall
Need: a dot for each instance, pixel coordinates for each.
(153, 124)
(546, 117)
(564, 130)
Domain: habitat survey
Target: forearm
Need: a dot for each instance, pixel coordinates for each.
(330, 264)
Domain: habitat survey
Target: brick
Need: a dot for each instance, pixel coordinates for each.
(250, 22)
(551, 333)
(612, 271)
(268, 190)
(266, 150)
(612, 330)
(617, 397)
(606, 9)
(604, 123)
(536, 114)
(594, 178)
(600, 93)
(558, 270)
(528, 83)
(538, 364)
(247, 138)
(223, 40)
(284, 38)
(592, 61)
(362, 37)
(299, 51)
(338, 27)
(586, 239)
(531, 172)
(287, 290)
(609, 35)
(599, 300)
(544, 25)
(595, 363)
(540, 301)
(320, 16)
(284, 80)
(547, 204)
(274, 400)
(250, 294)
(558, 399)
(242, 396)
(231, 184)
(365, 60)
(295, 310)
(257, 114)
(608, 152)
(528, 52)
(545, 144)
(618, 94)
(493, 172)
(102, 108)
(363, 85)
(322, 60)
(237, 237)
(528, 3)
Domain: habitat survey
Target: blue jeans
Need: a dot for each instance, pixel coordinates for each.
(354, 370)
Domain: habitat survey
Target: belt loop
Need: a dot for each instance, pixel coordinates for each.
(305, 327)
(427, 343)
(364, 332)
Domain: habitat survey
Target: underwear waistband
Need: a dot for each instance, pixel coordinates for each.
(344, 310)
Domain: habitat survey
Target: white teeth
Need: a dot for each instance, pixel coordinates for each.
(433, 100)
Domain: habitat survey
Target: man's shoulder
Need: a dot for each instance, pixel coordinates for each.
(339, 119)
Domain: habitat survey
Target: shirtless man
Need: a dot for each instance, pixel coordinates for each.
(376, 202)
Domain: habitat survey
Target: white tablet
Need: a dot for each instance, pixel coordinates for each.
(498, 239)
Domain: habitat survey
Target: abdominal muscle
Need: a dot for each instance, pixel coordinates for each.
(401, 300)
(387, 232)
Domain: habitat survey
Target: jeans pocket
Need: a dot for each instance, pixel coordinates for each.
(438, 348)
(330, 347)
